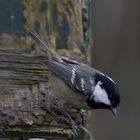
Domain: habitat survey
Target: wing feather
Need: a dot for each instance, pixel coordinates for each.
(60, 69)
(82, 81)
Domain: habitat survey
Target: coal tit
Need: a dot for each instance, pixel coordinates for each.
(79, 84)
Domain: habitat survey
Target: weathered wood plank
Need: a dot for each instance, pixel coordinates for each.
(25, 98)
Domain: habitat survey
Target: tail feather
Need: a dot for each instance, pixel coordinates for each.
(52, 54)
(38, 38)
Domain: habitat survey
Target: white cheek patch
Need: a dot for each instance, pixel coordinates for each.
(100, 95)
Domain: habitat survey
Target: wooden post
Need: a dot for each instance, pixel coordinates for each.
(24, 85)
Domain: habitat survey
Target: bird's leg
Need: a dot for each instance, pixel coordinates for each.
(69, 120)
(72, 123)
(63, 120)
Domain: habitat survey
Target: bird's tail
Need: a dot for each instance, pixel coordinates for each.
(51, 53)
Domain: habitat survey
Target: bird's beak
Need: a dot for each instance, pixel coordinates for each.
(114, 111)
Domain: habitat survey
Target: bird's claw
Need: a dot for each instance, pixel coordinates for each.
(74, 129)
(63, 120)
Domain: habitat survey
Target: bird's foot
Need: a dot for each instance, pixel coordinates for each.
(73, 124)
(67, 119)
(63, 120)
(74, 129)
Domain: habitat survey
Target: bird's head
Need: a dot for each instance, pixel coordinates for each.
(105, 94)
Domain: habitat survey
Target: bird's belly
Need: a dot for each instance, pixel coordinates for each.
(63, 92)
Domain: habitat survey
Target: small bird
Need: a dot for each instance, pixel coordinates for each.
(80, 85)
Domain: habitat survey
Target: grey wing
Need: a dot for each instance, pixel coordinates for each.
(74, 75)
(62, 70)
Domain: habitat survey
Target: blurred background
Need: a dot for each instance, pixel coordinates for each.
(117, 54)
(113, 44)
